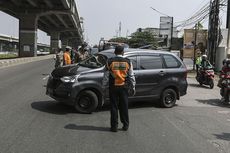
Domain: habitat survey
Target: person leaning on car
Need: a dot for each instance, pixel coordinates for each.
(119, 75)
(66, 56)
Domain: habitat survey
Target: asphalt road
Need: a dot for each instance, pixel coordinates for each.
(31, 122)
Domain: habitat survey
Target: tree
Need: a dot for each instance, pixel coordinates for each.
(139, 39)
(199, 25)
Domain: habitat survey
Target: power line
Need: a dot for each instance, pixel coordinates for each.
(200, 15)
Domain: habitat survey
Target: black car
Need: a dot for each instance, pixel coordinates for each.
(159, 74)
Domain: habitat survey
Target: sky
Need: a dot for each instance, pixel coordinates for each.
(102, 17)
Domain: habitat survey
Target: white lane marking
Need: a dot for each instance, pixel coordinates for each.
(223, 112)
(45, 77)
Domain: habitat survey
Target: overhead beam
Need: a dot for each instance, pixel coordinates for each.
(33, 3)
(66, 4)
(48, 3)
(52, 21)
(45, 23)
(16, 2)
(48, 12)
(62, 21)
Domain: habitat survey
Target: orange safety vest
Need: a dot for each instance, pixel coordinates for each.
(118, 68)
(66, 59)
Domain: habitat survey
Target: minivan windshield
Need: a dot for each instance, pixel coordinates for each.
(94, 61)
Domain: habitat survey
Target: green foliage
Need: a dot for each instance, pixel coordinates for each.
(199, 25)
(2, 56)
(139, 39)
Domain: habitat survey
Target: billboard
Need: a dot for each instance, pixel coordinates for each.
(166, 24)
(189, 42)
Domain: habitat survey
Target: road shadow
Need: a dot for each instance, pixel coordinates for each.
(213, 102)
(86, 128)
(199, 86)
(223, 136)
(58, 108)
(52, 107)
(135, 105)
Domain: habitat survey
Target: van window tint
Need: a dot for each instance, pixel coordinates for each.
(171, 62)
(150, 62)
(133, 59)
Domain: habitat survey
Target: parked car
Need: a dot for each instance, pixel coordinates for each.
(159, 74)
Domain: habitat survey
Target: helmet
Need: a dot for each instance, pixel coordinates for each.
(204, 57)
(227, 63)
(224, 61)
(68, 48)
(86, 49)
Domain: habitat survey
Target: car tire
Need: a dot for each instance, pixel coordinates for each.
(168, 98)
(86, 102)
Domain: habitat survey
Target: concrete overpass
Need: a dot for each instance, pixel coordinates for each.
(10, 44)
(58, 18)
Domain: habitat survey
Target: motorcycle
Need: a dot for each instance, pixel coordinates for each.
(206, 77)
(225, 87)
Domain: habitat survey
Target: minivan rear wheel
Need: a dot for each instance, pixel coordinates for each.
(86, 102)
(168, 98)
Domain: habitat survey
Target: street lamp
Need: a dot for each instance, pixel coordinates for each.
(169, 42)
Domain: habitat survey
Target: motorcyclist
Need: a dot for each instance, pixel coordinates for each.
(198, 61)
(225, 69)
(205, 65)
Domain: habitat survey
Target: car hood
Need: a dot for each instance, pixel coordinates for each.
(69, 70)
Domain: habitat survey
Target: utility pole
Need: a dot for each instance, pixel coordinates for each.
(194, 51)
(127, 33)
(170, 47)
(213, 31)
(119, 29)
(228, 27)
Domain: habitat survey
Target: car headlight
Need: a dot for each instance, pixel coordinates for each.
(70, 79)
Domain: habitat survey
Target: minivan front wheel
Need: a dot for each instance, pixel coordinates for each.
(168, 98)
(86, 102)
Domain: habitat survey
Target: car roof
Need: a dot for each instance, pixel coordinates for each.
(127, 51)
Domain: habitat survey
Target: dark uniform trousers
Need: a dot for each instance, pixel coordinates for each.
(119, 101)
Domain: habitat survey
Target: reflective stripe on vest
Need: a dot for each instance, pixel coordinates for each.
(119, 71)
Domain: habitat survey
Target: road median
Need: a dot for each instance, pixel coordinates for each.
(17, 61)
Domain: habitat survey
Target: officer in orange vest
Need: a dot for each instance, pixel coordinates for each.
(119, 73)
(66, 56)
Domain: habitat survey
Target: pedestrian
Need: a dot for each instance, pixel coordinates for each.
(58, 58)
(119, 75)
(198, 61)
(83, 54)
(66, 56)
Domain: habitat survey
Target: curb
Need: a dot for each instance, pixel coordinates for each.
(17, 61)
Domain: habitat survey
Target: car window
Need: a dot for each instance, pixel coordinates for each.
(133, 59)
(94, 61)
(150, 62)
(171, 62)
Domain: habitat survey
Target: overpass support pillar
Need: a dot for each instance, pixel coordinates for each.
(28, 35)
(54, 42)
(65, 42)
